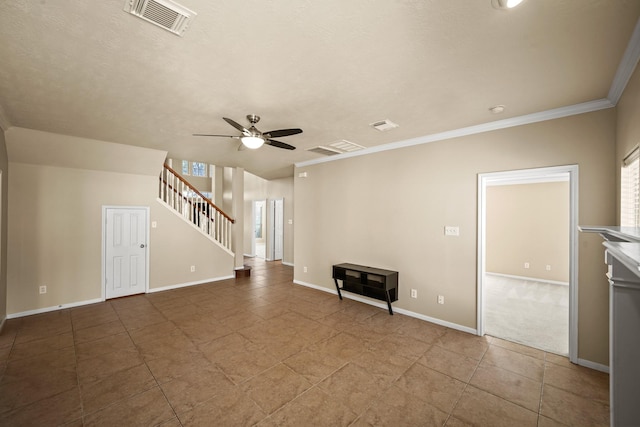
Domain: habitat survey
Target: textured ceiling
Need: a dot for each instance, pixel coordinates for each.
(88, 69)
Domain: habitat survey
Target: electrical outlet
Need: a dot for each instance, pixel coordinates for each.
(43, 289)
(154, 224)
(193, 268)
(450, 230)
(304, 269)
(440, 299)
(548, 267)
(414, 293)
(526, 265)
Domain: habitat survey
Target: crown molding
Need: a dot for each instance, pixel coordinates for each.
(626, 67)
(556, 113)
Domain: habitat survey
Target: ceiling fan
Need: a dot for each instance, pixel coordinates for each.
(253, 138)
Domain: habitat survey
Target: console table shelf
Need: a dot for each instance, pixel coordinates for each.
(368, 281)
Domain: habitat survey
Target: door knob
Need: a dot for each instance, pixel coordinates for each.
(142, 245)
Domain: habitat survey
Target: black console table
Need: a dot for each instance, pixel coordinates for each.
(368, 281)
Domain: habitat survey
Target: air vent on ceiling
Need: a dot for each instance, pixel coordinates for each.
(384, 125)
(346, 146)
(163, 13)
(325, 151)
(338, 147)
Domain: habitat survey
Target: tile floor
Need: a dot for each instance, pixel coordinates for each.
(263, 351)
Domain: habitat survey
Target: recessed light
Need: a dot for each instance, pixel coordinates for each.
(383, 125)
(497, 109)
(505, 4)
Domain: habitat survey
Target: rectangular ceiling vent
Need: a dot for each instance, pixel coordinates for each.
(384, 125)
(325, 151)
(163, 13)
(346, 146)
(338, 147)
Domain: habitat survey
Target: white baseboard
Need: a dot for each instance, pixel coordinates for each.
(532, 279)
(287, 264)
(53, 308)
(409, 313)
(4, 320)
(184, 285)
(593, 365)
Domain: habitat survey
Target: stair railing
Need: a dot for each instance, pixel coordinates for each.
(179, 195)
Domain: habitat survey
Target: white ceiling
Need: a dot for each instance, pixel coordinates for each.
(86, 68)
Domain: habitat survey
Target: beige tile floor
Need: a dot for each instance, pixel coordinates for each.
(263, 351)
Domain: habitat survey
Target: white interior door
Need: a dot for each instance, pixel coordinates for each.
(125, 251)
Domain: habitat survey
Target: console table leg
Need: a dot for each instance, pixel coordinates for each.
(338, 289)
(389, 302)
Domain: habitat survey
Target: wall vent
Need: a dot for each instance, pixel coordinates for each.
(163, 13)
(383, 125)
(325, 151)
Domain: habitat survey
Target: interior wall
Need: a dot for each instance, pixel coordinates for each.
(4, 163)
(389, 210)
(528, 223)
(55, 212)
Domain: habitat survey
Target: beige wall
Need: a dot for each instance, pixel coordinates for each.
(256, 188)
(55, 237)
(3, 226)
(389, 210)
(528, 223)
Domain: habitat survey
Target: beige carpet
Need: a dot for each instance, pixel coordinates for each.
(527, 312)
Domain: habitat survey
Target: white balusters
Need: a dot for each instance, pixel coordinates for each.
(184, 199)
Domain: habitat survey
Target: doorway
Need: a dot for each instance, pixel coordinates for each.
(492, 288)
(125, 255)
(258, 236)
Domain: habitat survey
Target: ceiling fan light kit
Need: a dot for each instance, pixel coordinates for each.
(252, 138)
(252, 142)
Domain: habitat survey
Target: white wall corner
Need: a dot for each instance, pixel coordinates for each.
(4, 121)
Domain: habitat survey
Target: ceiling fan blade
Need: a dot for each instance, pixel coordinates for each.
(222, 136)
(279, 144)
(237, 126)
(282, 132)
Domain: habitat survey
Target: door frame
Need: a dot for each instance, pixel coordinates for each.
(483, 180)
(272, 236)
(103, 273)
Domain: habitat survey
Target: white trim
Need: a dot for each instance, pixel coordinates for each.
(288, 264)
(104, 243)
(54, 308)
(395, 309)
(556, 113)
(184, 285)
(626, 67)
(483, 180)
(4, 320)
(531, 279)
(593, 365)
(4, 121)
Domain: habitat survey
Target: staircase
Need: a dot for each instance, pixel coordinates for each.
(183, 198)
